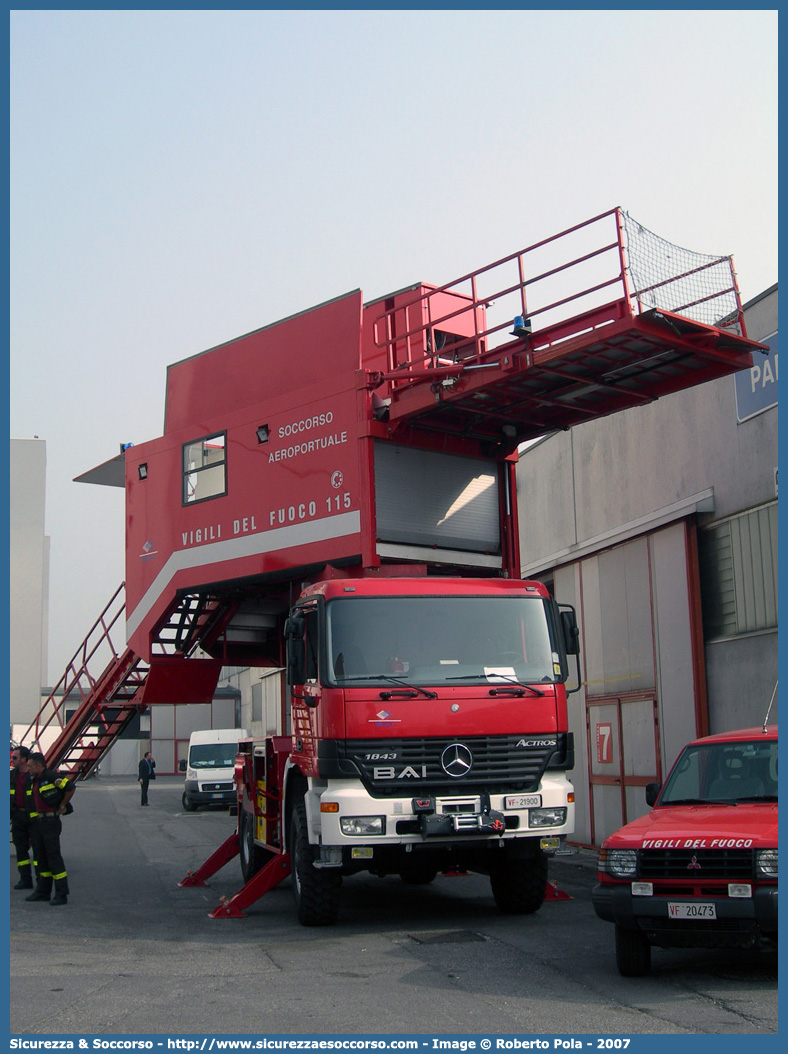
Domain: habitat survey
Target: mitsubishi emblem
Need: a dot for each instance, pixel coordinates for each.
(456, 760)
(693, 865)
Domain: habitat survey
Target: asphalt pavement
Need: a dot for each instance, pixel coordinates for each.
(133, 953)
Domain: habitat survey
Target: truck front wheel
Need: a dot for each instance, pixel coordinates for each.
(316, 890)
(519, 886)
(633, 953)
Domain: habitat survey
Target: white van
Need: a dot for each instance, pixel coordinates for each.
(210, 767)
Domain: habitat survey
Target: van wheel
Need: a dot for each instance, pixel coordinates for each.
(253, 857)
(188, 804)
(520, 886)
(316, 890)
(633, 953)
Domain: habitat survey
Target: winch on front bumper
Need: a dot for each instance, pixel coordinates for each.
(434, 824)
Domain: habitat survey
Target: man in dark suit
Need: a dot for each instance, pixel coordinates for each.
(146, 773)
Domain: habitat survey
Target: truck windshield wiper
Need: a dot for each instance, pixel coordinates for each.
(512, 684)
(414, 688)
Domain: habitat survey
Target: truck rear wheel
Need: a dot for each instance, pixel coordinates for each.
(316, 890)
(519, 886)
(253, 857)
(633, 953)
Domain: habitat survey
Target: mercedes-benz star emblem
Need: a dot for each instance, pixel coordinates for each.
(456, 760)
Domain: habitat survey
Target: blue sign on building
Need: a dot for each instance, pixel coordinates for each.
(756, 388)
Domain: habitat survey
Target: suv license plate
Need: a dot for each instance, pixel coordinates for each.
(523, 801)
(217, 795)
(692, 911)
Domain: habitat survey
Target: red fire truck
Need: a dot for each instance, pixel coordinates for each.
(429, 734)
(334, 494)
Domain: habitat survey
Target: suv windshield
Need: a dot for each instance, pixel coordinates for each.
(724, 772)
(441, 640)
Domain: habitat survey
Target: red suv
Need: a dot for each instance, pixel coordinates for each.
(699, 870)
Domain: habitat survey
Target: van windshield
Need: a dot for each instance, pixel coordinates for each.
(724, 772)
(213, 755)
(434, 641)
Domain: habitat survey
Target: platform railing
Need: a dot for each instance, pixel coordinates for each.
(585, 277)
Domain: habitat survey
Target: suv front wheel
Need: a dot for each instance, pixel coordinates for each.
(633, 953)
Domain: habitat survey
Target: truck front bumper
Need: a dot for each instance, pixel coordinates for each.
(737, 922)
(442, 818)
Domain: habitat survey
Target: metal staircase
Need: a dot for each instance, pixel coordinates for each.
(89, 710)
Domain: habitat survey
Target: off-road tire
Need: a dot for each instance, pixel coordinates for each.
(315, 890)
(253, 857)
(520, 886)
(633, 953)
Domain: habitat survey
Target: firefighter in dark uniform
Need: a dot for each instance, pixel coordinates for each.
(20, 824)
(48, 795)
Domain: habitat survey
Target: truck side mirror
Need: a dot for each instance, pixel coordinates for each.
(570, 631)
(295, 627)
(652, 793)
(182, 765)
(295, 631)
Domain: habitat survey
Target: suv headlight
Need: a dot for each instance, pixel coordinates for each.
(766, 862)
(620, 863)
(555, 817)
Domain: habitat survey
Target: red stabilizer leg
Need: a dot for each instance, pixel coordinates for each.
(266, 878)
(226, 851)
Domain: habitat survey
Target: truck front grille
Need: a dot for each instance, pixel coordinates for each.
(510, 762)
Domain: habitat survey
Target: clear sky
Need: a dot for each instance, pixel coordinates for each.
(179, 178)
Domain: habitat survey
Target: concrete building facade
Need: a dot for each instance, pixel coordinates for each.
(29, 577)
(660, 525)
(262, 700)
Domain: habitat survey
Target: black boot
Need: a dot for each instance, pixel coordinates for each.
(59, 898)
(25, 882)
(39, 894)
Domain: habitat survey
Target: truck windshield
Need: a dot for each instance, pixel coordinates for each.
(724, 772)
(436, 641)
(213, 755)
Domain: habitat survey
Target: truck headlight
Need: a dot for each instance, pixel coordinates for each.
(547, 817)
(362, 826)
(766, 862)
(620, 863)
